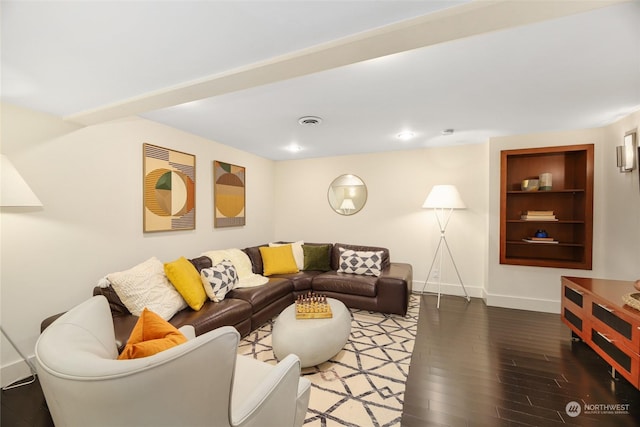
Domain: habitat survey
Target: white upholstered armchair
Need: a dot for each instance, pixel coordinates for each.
(199, 383)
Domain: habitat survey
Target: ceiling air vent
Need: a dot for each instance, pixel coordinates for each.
(309, 120)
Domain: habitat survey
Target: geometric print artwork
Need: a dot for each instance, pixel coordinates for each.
(219, 280)
(169, 189)
(363, 385)
(363, 262)
(229, 195)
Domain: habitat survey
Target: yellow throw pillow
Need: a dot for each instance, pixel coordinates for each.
(185, 278)
(152, 334)
(278, 260)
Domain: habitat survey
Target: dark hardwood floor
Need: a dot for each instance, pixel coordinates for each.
(472, 365)
(24, 407)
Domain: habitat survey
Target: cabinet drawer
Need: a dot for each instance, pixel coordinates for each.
(616, 324)
(620, 357)
(574, 295)
(573, 320)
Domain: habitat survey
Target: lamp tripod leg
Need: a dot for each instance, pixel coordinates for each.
(456, 269)
(21, 382)
(435, 256)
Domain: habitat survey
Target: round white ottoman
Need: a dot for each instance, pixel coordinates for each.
(313, 340)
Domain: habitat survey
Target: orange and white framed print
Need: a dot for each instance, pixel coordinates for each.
(169, 189)
(228, 194)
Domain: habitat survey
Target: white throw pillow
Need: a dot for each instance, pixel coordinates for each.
(298, 253)
(243, 266)
(368, 263)
(219, 280)
(146, 285)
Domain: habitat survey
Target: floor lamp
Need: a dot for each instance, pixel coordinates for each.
(443, 199)
(16, 193)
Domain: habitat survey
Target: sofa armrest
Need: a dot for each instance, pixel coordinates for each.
(49, 320)
(394, 288)
(265, 392)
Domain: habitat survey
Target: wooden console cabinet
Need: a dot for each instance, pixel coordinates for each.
(570, 199)
(594, 311)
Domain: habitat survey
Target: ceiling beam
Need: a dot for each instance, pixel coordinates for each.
(470, 19)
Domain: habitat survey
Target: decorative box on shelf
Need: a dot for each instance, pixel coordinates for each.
(313, 306)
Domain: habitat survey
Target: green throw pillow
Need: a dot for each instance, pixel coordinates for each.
(317, 257)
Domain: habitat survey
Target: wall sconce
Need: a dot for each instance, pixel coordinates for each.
(626, 153)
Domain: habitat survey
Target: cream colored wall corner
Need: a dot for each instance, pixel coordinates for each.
(616, 234)
(90, 183)
(397, 183)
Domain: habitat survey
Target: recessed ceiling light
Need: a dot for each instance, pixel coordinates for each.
(309, 120)
(405, 135)
(446, 132)
(294, 148)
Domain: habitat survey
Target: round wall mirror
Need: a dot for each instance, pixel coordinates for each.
(347, 194)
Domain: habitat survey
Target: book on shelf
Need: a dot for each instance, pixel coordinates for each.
(542, 239)
(537, 240)
(539, 217)
(538, 213)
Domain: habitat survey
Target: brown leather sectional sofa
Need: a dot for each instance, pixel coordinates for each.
(248, 308)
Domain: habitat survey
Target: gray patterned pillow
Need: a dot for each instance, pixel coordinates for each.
(219, 280)
(368, 263)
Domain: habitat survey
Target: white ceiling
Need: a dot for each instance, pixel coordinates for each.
(243, 72)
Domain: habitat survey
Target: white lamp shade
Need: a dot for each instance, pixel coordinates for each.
(444, 197)
(347, 204)
(15, 191)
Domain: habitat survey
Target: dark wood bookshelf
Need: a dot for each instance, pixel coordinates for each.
(570, 199)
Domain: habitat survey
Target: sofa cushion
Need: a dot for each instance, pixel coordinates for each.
(278, 260)
(151, 334)
(301, 280)
(360, 262)
(145, 285)
(317, 257)
(261, 296)
(219, 280)
(212, 315)
(247, 277)
(296, 248)
(253, 253)
(344, 283)
(201, 262)
(184, 276)
(335, 254)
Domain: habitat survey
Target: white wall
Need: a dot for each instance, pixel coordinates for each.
(397, 184)
(616, 236)
(89, 181)
(619, 225)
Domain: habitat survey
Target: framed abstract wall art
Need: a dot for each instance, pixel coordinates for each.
(169, 189)
(228, 195)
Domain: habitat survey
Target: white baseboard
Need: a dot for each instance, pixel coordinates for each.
(492, 300)
(519, 303)
(14, 371)
(447, 289)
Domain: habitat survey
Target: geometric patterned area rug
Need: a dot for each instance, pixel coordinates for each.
(364, 384)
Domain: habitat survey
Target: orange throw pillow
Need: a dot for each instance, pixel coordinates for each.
(152, 334)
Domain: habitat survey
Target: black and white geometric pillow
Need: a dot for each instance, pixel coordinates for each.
(219, 280)
(368, 263)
